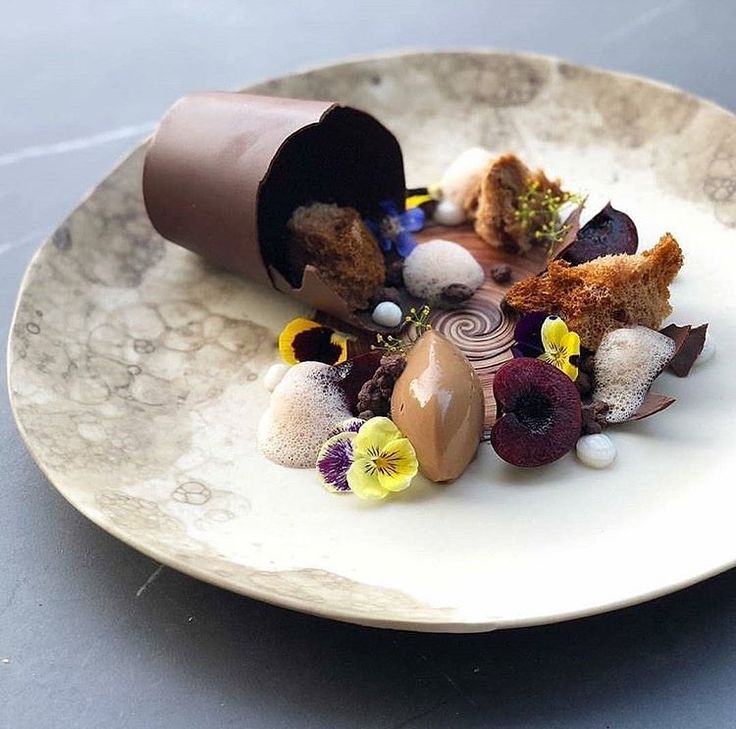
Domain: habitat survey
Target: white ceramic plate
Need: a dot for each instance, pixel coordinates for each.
(135, 373)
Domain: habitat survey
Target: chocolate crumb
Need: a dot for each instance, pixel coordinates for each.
(584, 383)
(456, 293)
(385, 293)
(375, 394)
(501, 273)
(594, 417)
(395, 273)
(587, 364)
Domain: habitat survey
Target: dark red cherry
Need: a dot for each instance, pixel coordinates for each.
(610, 232)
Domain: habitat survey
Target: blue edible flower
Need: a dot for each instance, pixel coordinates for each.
(395, 229)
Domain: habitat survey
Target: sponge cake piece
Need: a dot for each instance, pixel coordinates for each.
(606, 293)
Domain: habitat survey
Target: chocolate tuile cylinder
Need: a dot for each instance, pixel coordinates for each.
(224, 172)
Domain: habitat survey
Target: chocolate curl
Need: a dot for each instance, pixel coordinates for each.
(689, 342)
(654, 402)
(572, 228)
(225, 171)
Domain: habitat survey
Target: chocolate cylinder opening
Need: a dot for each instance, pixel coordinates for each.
(225, 171)
(348, 158)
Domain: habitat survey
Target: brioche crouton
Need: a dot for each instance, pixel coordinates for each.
(606, 293)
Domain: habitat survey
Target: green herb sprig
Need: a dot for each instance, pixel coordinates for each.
(416, 323)
(536, 203)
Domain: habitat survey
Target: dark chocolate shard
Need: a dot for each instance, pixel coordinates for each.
(609, 232)
(654, 402)
(678, 333)
(572, 228)
(689, 342)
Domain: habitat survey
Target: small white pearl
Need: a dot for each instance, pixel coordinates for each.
(274, 375)
(709, 349)
(595, 451)
(387, 314)
(448, 212)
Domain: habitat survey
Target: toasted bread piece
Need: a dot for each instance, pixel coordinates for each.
(337, 243)
(493, 203)
(606, 293)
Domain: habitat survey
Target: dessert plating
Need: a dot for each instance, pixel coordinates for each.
(474, 310)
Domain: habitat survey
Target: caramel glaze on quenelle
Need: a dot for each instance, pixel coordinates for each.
(438, 404)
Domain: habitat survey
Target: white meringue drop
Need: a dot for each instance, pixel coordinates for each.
(387, 314)
(596, 450)
(449, 212)
(274, 375)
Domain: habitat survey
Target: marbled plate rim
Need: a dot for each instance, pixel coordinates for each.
(438, 623)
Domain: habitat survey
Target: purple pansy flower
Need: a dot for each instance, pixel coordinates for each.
(351, 425)
(395, 229)
(334, 459)
(528, 335)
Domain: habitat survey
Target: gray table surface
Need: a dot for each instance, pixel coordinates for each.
(93, 634)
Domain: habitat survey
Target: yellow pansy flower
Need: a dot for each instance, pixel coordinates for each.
(414, 201)
(304, 340)
(560, 345)
(384, 460)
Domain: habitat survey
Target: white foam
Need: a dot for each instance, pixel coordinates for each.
(626, 363)
(439, 263)
(464, 173)
(305, 407)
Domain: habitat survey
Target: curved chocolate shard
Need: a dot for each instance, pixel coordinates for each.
(654, 402)
(689, 343)
(678, 334)
(225, 171)
(571, 227)
(314, 291)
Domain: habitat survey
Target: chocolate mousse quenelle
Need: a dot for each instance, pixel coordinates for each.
(438, 404)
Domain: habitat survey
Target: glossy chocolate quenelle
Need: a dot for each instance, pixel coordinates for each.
(438, 404)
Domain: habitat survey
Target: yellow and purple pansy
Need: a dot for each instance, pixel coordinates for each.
(371, 463)
(561, 346)
(549, 339)
(304, 340)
